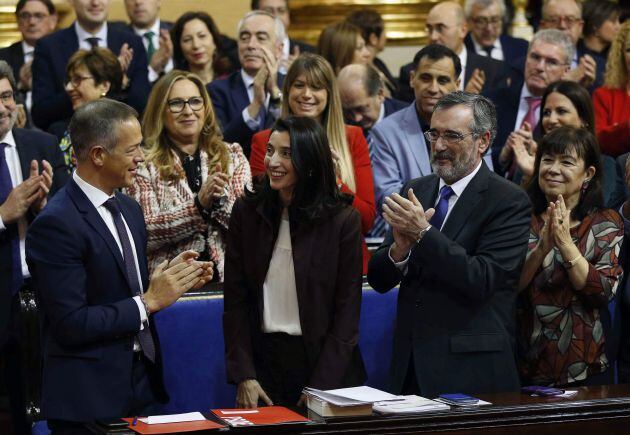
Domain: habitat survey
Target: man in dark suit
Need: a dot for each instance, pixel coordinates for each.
(50, 100)
(518, 102)
(290, 47)
(457, 245)
(249, 100)
(36, 19)
(87, 254)
(363, 96)
(23, 194)
(485, 21)
(146, 23)
(446, 26)
(587, 68)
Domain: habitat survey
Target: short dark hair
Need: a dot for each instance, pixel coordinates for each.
(97, 123)
(48, 3)
(256, 4)
(315, 195)
(176, 35)
(437, 52)
(6, 72)
(595, 13)
(369, 21)
(559, 141)
(102, 64)
(579, 97)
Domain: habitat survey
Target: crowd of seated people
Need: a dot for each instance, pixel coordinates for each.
(484, 169)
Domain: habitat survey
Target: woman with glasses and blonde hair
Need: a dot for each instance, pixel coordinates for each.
(191, 177)
(310, 89)
(612, 101)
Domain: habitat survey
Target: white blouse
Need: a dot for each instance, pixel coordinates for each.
(280, 305)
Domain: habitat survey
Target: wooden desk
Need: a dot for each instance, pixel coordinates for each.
(594, 410)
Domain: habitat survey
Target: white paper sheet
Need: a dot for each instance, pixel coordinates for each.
(173, 418)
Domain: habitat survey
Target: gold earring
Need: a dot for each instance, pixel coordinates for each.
(103, 94)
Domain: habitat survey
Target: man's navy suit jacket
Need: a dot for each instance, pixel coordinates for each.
(50, 100)
(513, 48)
(229, 98)
(89, 319)
(31, 145)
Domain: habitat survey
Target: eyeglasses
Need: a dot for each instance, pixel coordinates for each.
(556, 21)
(549, 62)
(176, 105)
(484, 21)
(7, 97)
(77, 80)
(449, 137)
(26, 16)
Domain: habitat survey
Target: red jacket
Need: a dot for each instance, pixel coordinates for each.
(612, 120)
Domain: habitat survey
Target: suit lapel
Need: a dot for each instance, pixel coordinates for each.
(472, 194)
(94, 219)
(415, 139)
(239, 90)
(426, 191)
(25, 153)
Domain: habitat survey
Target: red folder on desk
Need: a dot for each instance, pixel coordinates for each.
(265, 415)
(188, 426)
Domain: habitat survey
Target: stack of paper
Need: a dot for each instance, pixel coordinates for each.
(409, 405)
(344, 401)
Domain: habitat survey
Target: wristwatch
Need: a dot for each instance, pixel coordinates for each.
(274, 101)
(569, 264)
(423, 232)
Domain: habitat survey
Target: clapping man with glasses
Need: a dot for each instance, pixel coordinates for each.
(566, 16)
(456, 246)
(518, 103)
(31, 168)
(485, 21)
(35, 19)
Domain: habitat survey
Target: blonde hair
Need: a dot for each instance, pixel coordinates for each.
(337, 43)
(616, 76)
(158, 146)
(318, 73)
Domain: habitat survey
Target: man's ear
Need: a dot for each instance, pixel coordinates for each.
(372, 40)
(97, 156)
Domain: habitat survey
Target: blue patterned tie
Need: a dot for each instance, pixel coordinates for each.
(144, 336)
(442, 207)
(11, 230)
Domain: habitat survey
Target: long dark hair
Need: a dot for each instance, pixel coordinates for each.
(579, 97)
(315, 195)
(559, 141)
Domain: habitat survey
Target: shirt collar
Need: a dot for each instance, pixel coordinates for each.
(155, 28)
(479, 48)
(381, 114)
(463, 57)
(247, 79)
(460, 185)
(83, 34)
(26, 49)
(96, 196)
(525, 92)
(9, 139)
(286, 47)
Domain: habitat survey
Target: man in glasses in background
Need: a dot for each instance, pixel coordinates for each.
(456, 247)
(35, 19)
(486, 38)
(566, 16)
(518, 103)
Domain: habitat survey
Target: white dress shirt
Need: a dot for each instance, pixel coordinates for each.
(286, 45)
(97, 197)
(523, 107)
(155, 28)
(15, 170)
(254, 124)
(463, 58)
(28, 51)
(497, 49)
(83, 35)
(458, 189)
(281, 312)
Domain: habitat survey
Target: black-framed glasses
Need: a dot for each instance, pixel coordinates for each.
(449, 137)
(7, 97)
(77, 80)
(176, 105)
(26, 16)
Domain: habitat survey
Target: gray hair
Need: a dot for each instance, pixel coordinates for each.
(278, 25)
(366, 74)
(484, 112)
(6, 72)
(555, 37)
(97, 123)
(469, 4)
